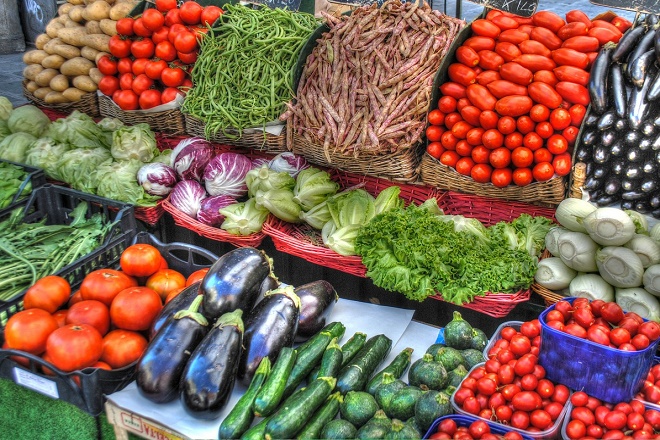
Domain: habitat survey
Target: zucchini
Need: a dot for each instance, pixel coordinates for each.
(450, 358)
(270, 394)
(354, 376)
(306, 359)
(352, 346)
(472, 357)
(358, 407)
(402, 405)
(397, 367)
(402, 430)
(326, 413)
(331, 360)
(338, 429)
(336, 329)
(387, 389)
(431, 406)
(429, 372)
(458, 332)
(292, 415)
(241, 415)
(256, 432)
(377, 427)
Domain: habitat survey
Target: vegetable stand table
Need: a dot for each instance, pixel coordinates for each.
(128, 411)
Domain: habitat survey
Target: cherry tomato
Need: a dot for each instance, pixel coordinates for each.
(501, 177)
(449, 158)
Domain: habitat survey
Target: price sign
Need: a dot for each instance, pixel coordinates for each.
(523, 8)
(639, 6)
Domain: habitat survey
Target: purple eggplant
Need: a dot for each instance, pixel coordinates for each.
(317, 300)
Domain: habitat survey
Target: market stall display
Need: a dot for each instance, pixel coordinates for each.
(19, 181)
(364, 110)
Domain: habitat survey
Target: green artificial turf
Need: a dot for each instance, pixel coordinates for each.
(28, 415)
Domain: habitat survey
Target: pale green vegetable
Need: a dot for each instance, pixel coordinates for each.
(4, 129)
(654, 233)
(651, 279)
(264, 179)
(117, 180)
(646, 248)
(620, 266)
(243, 218)
(110, 124)
(591, 286)
(388, 199)
(553, 274)
(312, 187)
(578, 251)
(351, 207)
(15, 147)
(340, 239)
(638, 300)
(571, 211)
(470, 225)
(431, 205)
(609, 226)
(134, 142)
(165, 157)
(79, 131)
(280, 203)
(6, 108)
(28, 119)
(77, 167)
(44, 153)
(551, 240)
(639, 220)
(317, 216)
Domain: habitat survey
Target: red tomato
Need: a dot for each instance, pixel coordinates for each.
(543, 171)
(141, 83)
(504, 22)
(48, 293)
(574, 29)
(573, 93)
(502, 88)
(125, 26)
(481, 172)
(153, 19)
(513, 140)
(516, 73)
(172, 76)
(122, 347)
(467, 56)
(143, 48)
(109, 85)
(500, 157)
(165, 5)
(190, 12)
(140, 29)
(471, 115)
(577, 15)
(560, 118)
(533, 141)
(501, 177)
(478, 43)
(169, 94)
(119, 47)
(185, 41)
(549, 20)
(28, 330)
(464, 165)
(576, 429)
(490, 60)
(650, 329)
(478, 429)
(164, 281)
(514, 105)
(74, 347)
(90, 312)
(481, 97)
(135, 308)
(210, 14)
(485, 28)
(104, 284)
(547, 37)
(565, 56)
(544, 94)
(107, 65)
(488, 119)
(150, 99)
(492, 139)
(140, 260)
(506, 125)
(557, 144)
(535, 62)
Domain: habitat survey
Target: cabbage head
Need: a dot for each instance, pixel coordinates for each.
(77, 167)
(4, 129)
(15, 147)
(117, 180)
(5, 108)
(134, 142)
(44, 153)
(28, 119)
(78, 130)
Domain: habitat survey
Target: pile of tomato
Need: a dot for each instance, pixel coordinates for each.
(510, 387)
(516, 96)
(478, 429)
(604, 323)
(102, 325)
(152, 55)
(592, 418)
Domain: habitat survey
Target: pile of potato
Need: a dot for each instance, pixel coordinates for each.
(62, 68)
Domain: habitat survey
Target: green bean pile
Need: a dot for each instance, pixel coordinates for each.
(242, 78)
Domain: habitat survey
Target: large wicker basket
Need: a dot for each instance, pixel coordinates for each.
(167, 121)
(88, 104)
(253, 139)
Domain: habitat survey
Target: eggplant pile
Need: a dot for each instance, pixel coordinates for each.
(620, 141)
(218, 331)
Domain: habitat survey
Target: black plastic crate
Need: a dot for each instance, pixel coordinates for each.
(94, 383)
(34, 176)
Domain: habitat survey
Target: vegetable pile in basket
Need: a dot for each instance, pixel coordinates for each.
(620, 142)
(62, 68)
(366, 86)
(14, 185)
(243, 75)
(516, 96)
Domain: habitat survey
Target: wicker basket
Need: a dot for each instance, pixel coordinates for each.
(88, 104)
(150, 215)
(548, 193)
(497, 305)
(168, 121)
(400, 166)
(252, 139)
(210, 232)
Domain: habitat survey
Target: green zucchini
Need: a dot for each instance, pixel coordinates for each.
(272, 391)
(402, 404)
(354, 376)
(306, 359)
(397, 367)
(338, 429)
(458, 332)
(331, 360)
(322, 416)
(352, 346)
(377, 427)
(292, 415)
(336, 329)
(257, 431)
(358, 407)
(387, 389)
(402, 431)
(431, 406)
(429, 372)
(241, 415)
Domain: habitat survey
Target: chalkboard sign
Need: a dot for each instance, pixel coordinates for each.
(641, 6)
(35, 15)
(524, 8)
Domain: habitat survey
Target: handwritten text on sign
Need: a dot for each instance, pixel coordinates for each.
(643, 6)
(524, 8)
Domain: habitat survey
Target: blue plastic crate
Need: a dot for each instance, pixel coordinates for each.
(466, 420)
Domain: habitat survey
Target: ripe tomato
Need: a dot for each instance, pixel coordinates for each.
(492, 139)
(543, 171)
(500, 157)
(169, 94)
(48, 293)
(141, 83)
(154, 68)
(172, 17)
(576, 429)
(513, 140)
(135, 308)
(74, 347)
(481, 172)
(165, 5)
(557, 144)
(464, 165)
(542, 155)
(533, 141)
(463, 148)
(140, 260)
(435, 149)
(172, 76)
(436, 116)
(122, 347)
(107, 65)
(125, 26)
(190, 12)
(164, 281)
(28, 330)
(75, 298)
(126, 99)
(143, 48)
(481, 97)
(119, 47)
(446, 105)
(467, 56)
(109, 85)
(449, 158)
(60, 317)
(573, 93)
(150, 99)
(165, 51)
(153, 19)
(539, 113)
(139, 65)
(544, 129)
(650, 329)
(488, 119)
(506, 125)
(522, 157)
(104, 284)
(434, 133)
(140, 29)
(480, 154)
(170, 296)
(210, 14)
(90, 312)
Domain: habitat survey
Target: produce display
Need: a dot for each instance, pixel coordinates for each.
(461, 426)
(13, 186)
(511, 109)
(373, 99)
(243, 76)
(603, 253)
(619, 142)
(151, 54)
(62, 68)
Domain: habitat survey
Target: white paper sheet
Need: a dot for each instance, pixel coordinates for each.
(356, 316)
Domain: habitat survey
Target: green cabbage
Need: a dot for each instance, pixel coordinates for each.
(352, 207)
(134, 142)
(243, 218)
(78, 130)
(15, 147)
(5, 108)
(312, 187)
(165, 157)
(77, 167)
(264, 179)
(110, 124)
(317, 216)
(280, 203)
(388, 199)
(44, 153)
(340, 240)
(117, 180)
(4, 129)
(28, 119)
